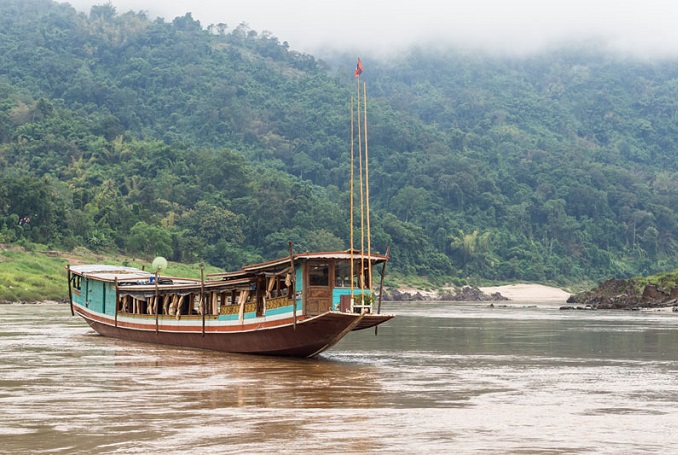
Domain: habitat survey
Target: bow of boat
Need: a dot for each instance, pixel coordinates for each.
(372, 320)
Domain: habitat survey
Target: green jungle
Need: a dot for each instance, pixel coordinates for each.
(215, 143)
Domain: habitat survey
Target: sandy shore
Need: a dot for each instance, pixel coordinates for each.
(523, 292)
(529, 292)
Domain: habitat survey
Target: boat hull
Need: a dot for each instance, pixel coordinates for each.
(307, 338)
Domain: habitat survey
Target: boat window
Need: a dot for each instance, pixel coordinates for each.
(365, 277)
(319, 275)
(277, 285)
(76, 282)
(342, 275)
(244, 296)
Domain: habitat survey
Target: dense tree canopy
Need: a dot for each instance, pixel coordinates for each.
(204, 142)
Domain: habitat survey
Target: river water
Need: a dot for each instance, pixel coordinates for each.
(439, 378)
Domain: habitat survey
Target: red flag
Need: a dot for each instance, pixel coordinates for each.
(358, 69)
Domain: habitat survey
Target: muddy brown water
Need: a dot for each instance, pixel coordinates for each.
(439, 378)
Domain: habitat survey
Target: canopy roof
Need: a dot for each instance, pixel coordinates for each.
(269, 266)
(131, 275)
(106, 272)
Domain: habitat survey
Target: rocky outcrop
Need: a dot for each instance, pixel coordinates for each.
(463, 294)
(398, 296)
(627, 294)
(473, 294)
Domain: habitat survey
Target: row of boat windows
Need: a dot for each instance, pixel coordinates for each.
(173, 304)
(188, 304)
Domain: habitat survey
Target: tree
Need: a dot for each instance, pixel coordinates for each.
(409, 202)
(211, 224)
(150, 240)
(471, 247)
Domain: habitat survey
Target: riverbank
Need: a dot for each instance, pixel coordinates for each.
(659, 291)
(37, 274)
(523, 292)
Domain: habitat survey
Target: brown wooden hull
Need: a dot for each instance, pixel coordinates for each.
(309, 338)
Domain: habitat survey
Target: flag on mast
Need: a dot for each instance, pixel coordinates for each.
(358, 69)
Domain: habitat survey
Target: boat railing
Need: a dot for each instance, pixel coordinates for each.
(235, 308)
(278, 302)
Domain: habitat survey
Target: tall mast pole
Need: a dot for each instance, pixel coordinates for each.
(351, 191)
(362, 196)
(358, 71)
(367, 192)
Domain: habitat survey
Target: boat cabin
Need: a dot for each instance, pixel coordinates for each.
(319, 282)
(306, 284)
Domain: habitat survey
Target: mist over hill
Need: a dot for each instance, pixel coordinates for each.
(198, 142)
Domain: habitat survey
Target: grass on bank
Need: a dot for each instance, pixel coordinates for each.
(665, 281)
(33, 274)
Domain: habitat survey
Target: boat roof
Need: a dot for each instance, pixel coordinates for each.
(106, 272)
(110, 272)
(342, 255)
(277, 263)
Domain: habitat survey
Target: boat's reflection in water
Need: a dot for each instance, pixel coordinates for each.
(211, 380)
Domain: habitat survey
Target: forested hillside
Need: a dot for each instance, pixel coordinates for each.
(219, 143)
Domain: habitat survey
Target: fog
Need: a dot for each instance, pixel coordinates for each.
(380, 27)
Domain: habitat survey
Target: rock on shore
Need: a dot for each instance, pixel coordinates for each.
(463, 294)
(627, 294)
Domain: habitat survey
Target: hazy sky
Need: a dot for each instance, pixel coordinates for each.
(369, 27)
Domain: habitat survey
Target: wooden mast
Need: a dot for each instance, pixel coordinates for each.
(351, 191)
(367, 193)
(155, 303)
(362, 198)
(381, 284)
(117, 303)
(202, 296)
(292, 291)
(70, 289)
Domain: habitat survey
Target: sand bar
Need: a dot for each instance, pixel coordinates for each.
(529, 292)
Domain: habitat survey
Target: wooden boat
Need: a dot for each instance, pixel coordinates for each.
(299, 306)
